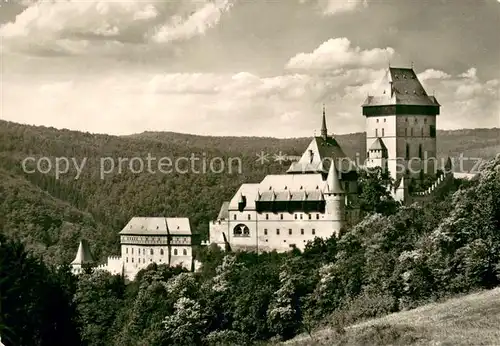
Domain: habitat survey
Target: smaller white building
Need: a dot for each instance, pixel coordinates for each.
(146, 240)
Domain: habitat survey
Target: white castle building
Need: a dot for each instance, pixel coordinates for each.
(145, 240)
(317, 195)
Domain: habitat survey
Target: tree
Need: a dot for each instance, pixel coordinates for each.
(375, 191)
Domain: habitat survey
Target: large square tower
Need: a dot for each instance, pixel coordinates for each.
(401, 125)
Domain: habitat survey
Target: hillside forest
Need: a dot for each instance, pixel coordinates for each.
(397, 258)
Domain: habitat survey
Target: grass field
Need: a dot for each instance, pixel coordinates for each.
(469, 320)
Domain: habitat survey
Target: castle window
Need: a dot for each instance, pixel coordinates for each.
(407, 151)
(277, 231)
(175, 252)
(281, 216)
(184, 252)
(411, 132)
(317, 216)
(310, 216)
(152, 252)
(249, 217)
(416, 121)
(143, 260)
(161, 252)
(420, 153)
(132, 251)
(425, 121)
(406, 119)
(132, 259)
(234, 216)
(406, 131)
(313, 231)
(432, 131)
(295, 215)
(376, 132)
(126, 259)
(126, 250)
(267, 216)
(143, 251)
(241, 230)
(265, 231)
(301, 216)
(377, 121)
(385, 120)
(302, 231)
(382, 132)
(290, 231)
(422, 131)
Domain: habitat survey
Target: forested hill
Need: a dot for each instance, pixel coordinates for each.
(50, 214)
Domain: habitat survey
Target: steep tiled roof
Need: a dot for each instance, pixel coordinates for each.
(224, 211)
(333, 181)
(400, 86)
(178, 225)
(323, 151)
(83, 255)
(378, 145)
(157, 226)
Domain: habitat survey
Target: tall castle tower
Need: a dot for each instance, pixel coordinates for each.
(401, 126)
(335, 199)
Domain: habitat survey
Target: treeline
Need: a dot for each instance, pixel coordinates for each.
(406, 258)
(112, 201)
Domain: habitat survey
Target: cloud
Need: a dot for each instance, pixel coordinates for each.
(338, 53)
(333, 7)
(242, 103)
(432, 74)
(46, 25)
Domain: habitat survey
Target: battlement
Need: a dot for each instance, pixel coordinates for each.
(441, 181)
(114, 258)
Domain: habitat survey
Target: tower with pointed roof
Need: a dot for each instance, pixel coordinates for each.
(401, 124)
(335, 199)
(83, 257)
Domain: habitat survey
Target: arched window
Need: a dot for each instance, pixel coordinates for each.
(382, 132)
(161, 252)
(376, 132)
(420, 154)
(407, 151)
(152, 252)
(143, 251)
(241, 230)
(175, 252)
(184, 252)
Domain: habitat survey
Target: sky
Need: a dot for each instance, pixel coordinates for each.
(241, 67)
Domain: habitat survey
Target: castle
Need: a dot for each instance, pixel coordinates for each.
(144, 240)
(317, 195)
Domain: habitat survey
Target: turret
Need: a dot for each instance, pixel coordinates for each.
(335, 198)
(83, 257)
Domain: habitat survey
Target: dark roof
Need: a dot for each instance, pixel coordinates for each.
(378, 145)
(400, 86)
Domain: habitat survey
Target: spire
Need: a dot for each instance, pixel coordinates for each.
(332, 180)
(83, 254)
(324, 132)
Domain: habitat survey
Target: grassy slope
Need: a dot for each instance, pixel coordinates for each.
(468, 320)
